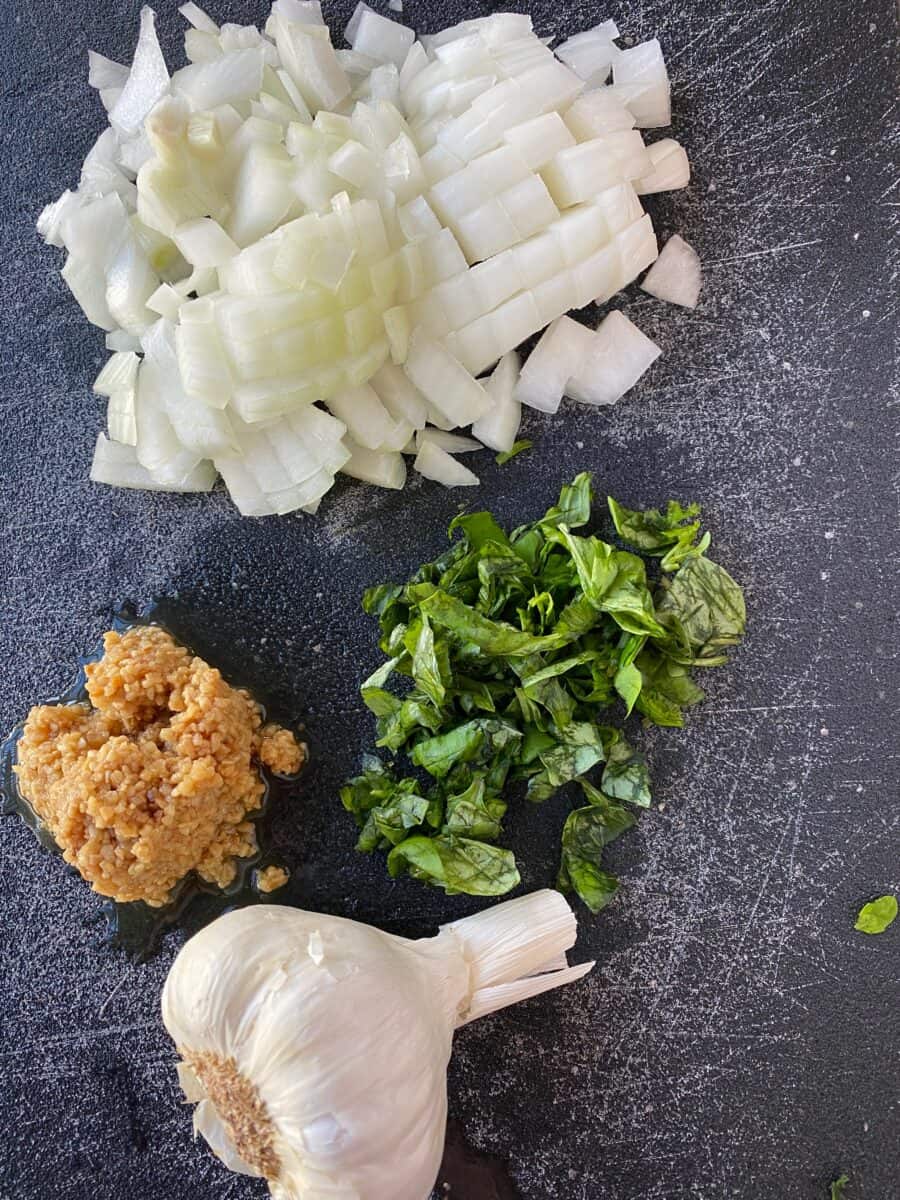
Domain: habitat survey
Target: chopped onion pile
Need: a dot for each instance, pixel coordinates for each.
(305, 259)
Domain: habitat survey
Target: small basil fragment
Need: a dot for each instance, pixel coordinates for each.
(517, 447)
(585, 834)
(877, 915)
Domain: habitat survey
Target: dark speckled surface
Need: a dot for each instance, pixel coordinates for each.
(737, 1039)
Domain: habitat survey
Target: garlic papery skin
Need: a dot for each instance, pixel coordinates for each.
(318, 1047)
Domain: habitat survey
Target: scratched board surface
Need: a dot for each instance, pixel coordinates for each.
(737, 1038)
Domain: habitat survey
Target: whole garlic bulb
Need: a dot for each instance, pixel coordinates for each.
(317, 1047)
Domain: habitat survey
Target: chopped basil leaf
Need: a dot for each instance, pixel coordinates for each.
(506, 657)
(670, 535)
(456, 864)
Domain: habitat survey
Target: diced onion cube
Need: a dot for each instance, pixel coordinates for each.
(435, 463)
(558, 356)
(383, 468)
(379, 37)
(671, 169)
(675, 276)
(500, 424)
(204, 243)
(618, 357)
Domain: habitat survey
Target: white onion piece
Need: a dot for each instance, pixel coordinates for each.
(304, 12)
(203, 428)
(671, 169)
(379, 37)
(642, 81)
(558, 356)
(399, 395)
(355, 18)
(53, 217)
(261, 459)
(415, 62)
(118, 381)
(104, 74)
(121, 418)
(453, 443)
(264, 460)
(201, 47)
(303, 495)
(95, 231)
(580, 172)
(201, 281)
(402, 169)
(398, 326)
(121, 342)
(101, 172)
(357, 65)
(592, 53)
(417, 219)
(444, 382)
(116, 464)
(383, 468)
(293, 94)
(619, 356)
(198, 18)
(166, 302)
(637, 249)
(263, 194)
(309, 59)
(302, 458)
(596, 113)
(231, 79)
(204, 243)
(202, 364)
(245, 492)
(493, 30)
(119, 373)
(538, 140)
(147, 81)
(500, 425)
(619, 207)
(368, 421)
(676, 274)
(598, 277)
(322, 432)
(435, 463)
(158, 448)
(355, 163)
(239, 37)
(509, 103)
(477, 183)
(89, 289)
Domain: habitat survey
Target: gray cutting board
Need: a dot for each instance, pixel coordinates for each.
(737, 1039)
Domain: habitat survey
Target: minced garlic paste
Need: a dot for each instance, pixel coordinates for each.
(156, 777)
(270, 879)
